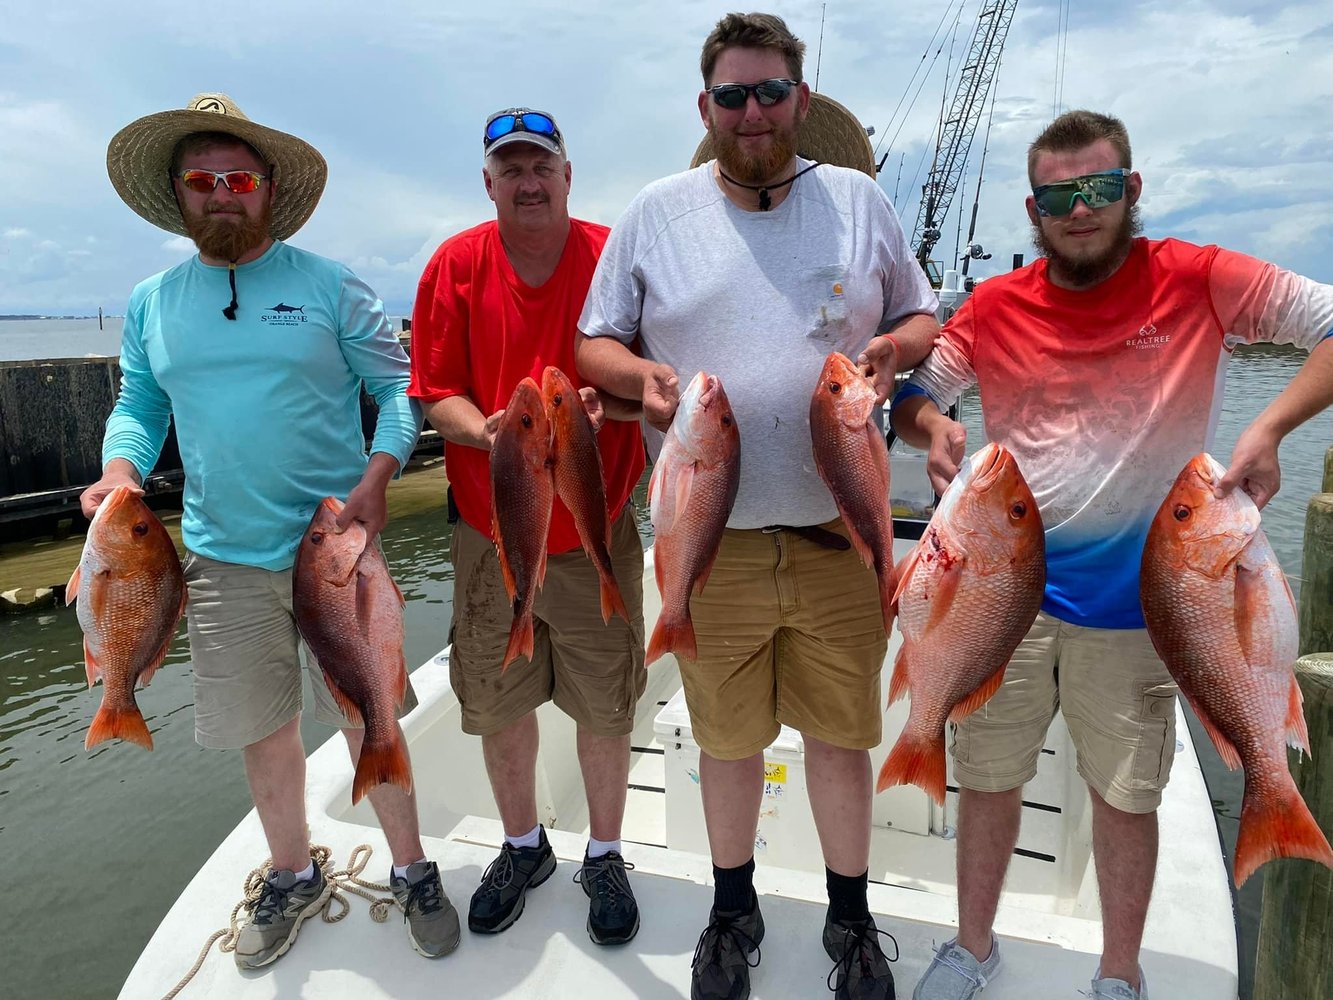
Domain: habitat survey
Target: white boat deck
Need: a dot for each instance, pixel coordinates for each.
(1048, 919)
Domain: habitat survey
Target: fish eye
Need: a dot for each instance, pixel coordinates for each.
(316, 537)
(1018, 510)
(526, 420)
(1181, 512)
(726, 420)
(557, 399)
(835, 387)
(141, 528)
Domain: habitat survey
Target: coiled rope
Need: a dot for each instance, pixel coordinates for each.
(342, 880)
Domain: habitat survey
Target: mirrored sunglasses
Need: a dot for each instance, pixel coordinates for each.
(531, 121)
(1097, 191)
(767, 92)
(237, 181)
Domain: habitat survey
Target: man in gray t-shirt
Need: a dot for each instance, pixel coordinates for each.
(754, 267)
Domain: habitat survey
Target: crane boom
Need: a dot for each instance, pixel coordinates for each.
(959, 124)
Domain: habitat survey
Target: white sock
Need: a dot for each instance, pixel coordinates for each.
(400, 871)
(598, 848)
(306, 873)
(530, 839)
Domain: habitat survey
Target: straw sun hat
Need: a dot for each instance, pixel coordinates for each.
(829, 134)
(139, 159)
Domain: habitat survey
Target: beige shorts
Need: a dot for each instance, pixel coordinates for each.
(789, 632)
(1117, 699)
(246, 653)
(593, 671)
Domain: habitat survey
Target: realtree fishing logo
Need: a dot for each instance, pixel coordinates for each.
(283, 315)
(1148, 337)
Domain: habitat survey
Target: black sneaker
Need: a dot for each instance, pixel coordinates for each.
(861, 970)
(613, 914)
(721, 966)
(498, 901)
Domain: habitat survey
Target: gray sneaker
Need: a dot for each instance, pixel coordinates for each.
(955, 973)
(1117, 989)
(283, 905)
(432, 921)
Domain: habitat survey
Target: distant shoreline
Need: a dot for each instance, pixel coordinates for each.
(20, 317)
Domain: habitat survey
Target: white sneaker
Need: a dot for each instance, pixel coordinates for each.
(955, 973)
(1117, 989)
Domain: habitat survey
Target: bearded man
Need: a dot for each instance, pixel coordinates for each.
(754, 266)
(258, 351)
(1100, 367)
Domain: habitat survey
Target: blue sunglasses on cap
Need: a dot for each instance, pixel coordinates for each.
(536, 122)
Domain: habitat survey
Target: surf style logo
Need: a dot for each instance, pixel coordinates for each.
(283, 315)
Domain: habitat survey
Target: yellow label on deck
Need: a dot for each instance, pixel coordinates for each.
(775, 772)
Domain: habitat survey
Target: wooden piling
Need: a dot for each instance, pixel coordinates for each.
(1297, 920)
(1316, 608)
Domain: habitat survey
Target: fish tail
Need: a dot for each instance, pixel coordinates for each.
(520, 640)
(381, 764)
(120, 722)
(1277, 826)
(672, 635)
(612, 601)
(915, 761)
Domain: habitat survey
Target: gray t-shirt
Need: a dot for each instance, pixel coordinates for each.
(759, 299)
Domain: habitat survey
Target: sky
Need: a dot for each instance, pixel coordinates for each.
(1226, 101)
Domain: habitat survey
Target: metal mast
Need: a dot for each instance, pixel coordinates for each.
(959, 123)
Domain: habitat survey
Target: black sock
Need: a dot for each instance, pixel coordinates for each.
(733, 888)
(847, 896)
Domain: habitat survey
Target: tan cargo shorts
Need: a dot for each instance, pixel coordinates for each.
(789, 632)
(246, 653)
(593, 671)
(1117, 699)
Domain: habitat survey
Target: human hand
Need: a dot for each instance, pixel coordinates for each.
(948, 445)
(489, 430)
(879, 363)
(1254, 466)
(661, 395)
(367, 505)
(117, 473)
(592, 403)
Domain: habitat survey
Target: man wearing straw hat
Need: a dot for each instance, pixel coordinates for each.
(755, 265)
(258, 351)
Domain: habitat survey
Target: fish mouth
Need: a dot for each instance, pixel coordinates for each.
(989, 464)
(113, 502)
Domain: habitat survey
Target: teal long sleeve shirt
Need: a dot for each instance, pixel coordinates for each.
(267, 406)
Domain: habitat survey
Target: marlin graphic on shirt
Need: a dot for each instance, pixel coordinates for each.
(283, 308)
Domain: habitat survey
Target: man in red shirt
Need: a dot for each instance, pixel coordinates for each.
(497, 303)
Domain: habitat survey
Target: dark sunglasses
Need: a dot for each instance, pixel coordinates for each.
(1097, 191)
(237, 181)
(767, 92)
(531, 121)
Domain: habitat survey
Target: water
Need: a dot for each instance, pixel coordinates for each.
(129, 829)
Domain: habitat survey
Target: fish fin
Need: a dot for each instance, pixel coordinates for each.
(916, 762)
(400, 689)
(612, 601)
(1225, 749)
(904, 572)
(978, 697)
(1298, 736)
(147, 674)
(684, 487)
(520, 640)
(888, 586)
(900, 683)
(946, 588)
(511, 586)
(1277, 826)
(705, 571)
(541, 571)
(380, 765)
(655, 492)
(90, 664)
(672, 637)
(349, 708)
(126, 723)
(402, 601)
(72, 588)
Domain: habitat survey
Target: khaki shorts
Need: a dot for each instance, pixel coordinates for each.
(1117, 699)
(246, 653)
(789, 633)
(592, 671)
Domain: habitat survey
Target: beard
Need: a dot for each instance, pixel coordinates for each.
(1084, 272)
(231, 235)
(749, 168)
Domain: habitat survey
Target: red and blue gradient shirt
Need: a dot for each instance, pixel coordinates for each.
(478, 330)
(1103, 395)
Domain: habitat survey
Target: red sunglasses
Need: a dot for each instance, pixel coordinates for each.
(237, 181)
